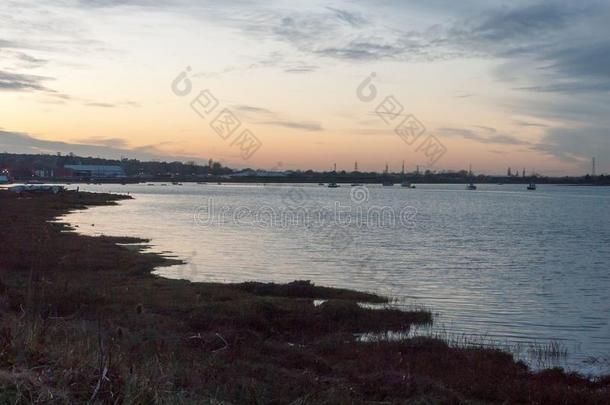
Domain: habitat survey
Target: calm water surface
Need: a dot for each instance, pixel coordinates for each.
(500, 262)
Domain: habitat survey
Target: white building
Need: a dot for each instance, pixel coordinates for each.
(95, 171)
(45, 173)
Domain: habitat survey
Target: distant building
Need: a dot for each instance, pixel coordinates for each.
(94, 171)
(44, 173)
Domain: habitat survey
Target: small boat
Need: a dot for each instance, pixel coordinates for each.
(175, 183)
(405, 183)
(333, 185)
(201, 182)
(38, 188)
(531, 186)
(356, 184)
(471, 186)
(385, 181)
(320, 184)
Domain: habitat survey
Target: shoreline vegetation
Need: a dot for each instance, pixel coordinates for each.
(83, 319)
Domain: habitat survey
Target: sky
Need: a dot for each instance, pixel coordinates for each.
(298, 84)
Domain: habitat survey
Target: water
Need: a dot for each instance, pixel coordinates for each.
(511, 265)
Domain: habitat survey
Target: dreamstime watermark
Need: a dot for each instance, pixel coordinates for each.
(354, 216)
(225, 124)
(341, 225)
(406, 126)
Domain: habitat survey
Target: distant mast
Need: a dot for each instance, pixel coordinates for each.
(593, 167)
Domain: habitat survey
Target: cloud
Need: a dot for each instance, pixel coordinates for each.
(97, 104)
(264, 116)
(361, 50)
(577, 144)
(309, 126)
(111, 148)
(111, 105)
(29, 61)
(108, 142)
(353, 19)
(330, 33)
(252, 109)
(300, 68)
(531, 124)
(490, 136)
(558, 45)
(506, 25)
(22, 82)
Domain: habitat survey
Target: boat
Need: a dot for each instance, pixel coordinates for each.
(320, 184)
(334, 184)
(356, 184)
(405, 183)
(531, 186)
(386, 182)
(471, 186)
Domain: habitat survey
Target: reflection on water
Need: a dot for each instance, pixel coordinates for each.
(499, 262)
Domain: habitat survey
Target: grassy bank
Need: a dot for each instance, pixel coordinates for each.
(83, 319)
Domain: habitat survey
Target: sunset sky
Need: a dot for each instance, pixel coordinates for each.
(519, 83)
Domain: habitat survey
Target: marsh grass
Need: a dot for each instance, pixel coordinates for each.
(537, 354)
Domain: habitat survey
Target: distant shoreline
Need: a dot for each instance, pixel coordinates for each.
(275, 181)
